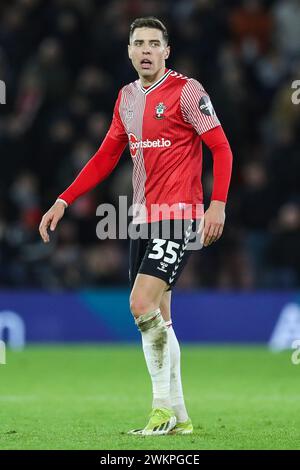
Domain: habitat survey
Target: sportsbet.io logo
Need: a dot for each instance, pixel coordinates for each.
(135, 144)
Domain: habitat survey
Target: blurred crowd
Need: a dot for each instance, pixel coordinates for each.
(63, 62)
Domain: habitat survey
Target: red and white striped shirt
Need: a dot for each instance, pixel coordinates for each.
(165, 125)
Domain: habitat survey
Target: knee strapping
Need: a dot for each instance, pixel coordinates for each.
(150, 320)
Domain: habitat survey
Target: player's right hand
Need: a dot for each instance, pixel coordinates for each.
(51, 218)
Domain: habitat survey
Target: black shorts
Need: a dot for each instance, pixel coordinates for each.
(163, 249)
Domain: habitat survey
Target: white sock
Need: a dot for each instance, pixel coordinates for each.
(156, 350)
(176, 392)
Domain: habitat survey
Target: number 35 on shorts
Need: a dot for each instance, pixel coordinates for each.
(164, 248)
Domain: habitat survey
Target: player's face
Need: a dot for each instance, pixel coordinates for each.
(148, 52)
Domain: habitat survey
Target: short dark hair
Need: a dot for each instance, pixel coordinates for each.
(149, 22)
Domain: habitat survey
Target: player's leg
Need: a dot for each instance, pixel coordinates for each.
(144, 304)
(145, 300)
(146, 294)
(165, 305)
(155, 265)
(184, 423)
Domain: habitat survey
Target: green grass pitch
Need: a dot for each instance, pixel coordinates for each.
(87, 397)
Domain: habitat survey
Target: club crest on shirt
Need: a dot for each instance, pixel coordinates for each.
(159, 111)
(206, 107)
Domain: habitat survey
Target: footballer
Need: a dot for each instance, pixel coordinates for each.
(164, 117)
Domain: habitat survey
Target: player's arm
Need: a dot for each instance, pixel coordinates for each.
(94, 172)
(214, 218)
(197, 110)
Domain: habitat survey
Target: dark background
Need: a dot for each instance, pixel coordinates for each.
(63, 62)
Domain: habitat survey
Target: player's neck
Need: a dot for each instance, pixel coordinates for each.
(148, 81)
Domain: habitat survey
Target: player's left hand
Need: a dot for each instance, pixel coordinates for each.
(214, 219)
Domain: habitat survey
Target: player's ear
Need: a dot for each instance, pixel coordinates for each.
(167, 52)
(129, 51)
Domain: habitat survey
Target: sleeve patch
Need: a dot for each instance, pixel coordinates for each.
(206, 107)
